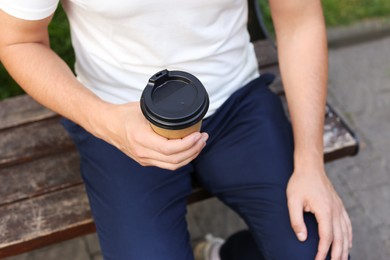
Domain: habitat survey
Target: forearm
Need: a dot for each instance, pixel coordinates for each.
(302, 52)
(44, 76)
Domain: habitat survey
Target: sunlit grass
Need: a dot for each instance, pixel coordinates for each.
(343, 12)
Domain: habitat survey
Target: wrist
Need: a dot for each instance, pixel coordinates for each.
(110, 122)
(98, 118)
(307, 161)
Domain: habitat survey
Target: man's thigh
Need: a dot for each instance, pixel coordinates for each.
(247, 164)
(250, 142)
(139, 211)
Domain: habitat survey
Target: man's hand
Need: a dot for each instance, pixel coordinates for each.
(25, 52)
(125, 127)
(302, 49)
(310, 190)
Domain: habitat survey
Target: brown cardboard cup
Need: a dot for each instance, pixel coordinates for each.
(174, 102)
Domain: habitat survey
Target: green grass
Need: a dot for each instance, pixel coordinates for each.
(337, 12)
(344, 12)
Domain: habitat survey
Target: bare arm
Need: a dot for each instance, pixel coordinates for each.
(302, 49)
(26, 54)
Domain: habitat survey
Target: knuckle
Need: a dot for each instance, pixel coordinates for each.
(327, 237)
(175, 160)
(142, 163)
(164, 150)
(338, 241)
(322, 253)
(296, 226)
(138, 153)
(336, 254)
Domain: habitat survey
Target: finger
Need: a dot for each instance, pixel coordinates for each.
(199, 141)
(349, 228)
(187, 154)
(174, 146)
(344, 254)
(325, 230)
(172, 162)
(295, 208)
(172, 167)
(178, 158)
(338, 239)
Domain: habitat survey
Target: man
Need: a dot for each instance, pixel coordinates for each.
(137, 181)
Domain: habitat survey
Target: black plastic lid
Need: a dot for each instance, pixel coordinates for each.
(174, 100)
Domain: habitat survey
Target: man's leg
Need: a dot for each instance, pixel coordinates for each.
(240, 245)
(139, 211)
(247, 163)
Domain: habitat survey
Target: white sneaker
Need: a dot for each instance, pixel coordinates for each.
(209, 248)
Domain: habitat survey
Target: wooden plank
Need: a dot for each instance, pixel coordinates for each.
(339, 141)
(35, 140)
(47, 174)
(44, 220)
(51, 218)
(266, 53)
(21, 110)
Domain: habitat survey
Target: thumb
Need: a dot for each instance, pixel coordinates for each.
(295, 208)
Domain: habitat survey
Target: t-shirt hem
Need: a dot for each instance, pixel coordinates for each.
(25, 14)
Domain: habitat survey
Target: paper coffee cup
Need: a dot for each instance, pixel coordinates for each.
(174, 102)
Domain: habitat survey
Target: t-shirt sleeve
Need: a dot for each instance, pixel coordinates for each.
(29, 9)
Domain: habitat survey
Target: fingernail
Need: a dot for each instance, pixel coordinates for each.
(301, 236)
(205, 137)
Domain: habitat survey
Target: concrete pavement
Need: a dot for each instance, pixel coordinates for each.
(359, 88)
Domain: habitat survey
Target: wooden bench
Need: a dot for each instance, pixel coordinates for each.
(42, 198)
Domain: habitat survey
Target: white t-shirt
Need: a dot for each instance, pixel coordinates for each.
(119, 44)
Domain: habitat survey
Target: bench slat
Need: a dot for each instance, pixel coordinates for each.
(34, 140)
(38, 177)
(51, 218)
(266, 53)
(44, 220)
(21, 110)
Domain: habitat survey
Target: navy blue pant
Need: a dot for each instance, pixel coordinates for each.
(247, 162)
